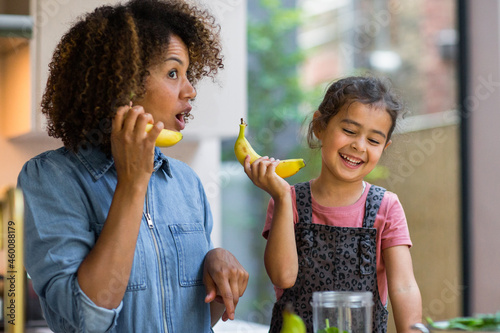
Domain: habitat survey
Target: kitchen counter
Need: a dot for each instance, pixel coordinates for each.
(230, 326)
(239, 326)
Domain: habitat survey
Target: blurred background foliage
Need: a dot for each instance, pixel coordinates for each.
(278, 106)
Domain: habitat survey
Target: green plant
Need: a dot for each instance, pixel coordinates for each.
(482, 322)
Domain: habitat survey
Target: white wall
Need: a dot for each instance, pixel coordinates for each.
(483, 99)
(218, 106)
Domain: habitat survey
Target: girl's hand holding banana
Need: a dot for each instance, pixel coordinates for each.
(266, 173)
(242, 148)
(262, 172)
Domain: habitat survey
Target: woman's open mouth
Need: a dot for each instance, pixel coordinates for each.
(183, 118)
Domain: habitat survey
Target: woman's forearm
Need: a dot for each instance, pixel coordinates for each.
(104, 273)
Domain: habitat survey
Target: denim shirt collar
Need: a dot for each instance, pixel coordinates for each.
(97, 163)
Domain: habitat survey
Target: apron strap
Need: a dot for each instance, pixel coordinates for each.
(373, 200)
(304, 210)
(303, 202)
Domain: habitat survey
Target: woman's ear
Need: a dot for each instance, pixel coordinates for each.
(317, 130)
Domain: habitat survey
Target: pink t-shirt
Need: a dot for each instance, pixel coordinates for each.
(392, 229)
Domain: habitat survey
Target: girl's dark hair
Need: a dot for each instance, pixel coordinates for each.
(101, 63)
(367, 90)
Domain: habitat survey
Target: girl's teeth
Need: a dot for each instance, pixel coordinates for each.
(350, 160)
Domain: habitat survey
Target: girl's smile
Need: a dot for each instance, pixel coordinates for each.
(351, 161)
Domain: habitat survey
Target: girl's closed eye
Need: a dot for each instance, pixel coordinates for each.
(374, 141)
(348, 131)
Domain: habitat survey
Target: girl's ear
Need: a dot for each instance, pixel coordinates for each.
(387, 144)
(316, 128)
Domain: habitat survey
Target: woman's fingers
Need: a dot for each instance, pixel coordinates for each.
(141, 121)
(225, 277)
(132, 147)
(134, 114)
(155, 131)
(131, 122)
(117, 123)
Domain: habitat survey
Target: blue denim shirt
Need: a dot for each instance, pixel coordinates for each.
(67, 198)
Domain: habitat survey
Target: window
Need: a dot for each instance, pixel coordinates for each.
(414, 45)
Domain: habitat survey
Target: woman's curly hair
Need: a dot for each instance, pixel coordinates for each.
(102, 62)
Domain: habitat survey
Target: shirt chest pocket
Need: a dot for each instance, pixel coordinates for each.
(137, 278)
(192, 246)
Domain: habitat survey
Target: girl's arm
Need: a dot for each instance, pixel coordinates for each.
(280, 256)
(403, 289)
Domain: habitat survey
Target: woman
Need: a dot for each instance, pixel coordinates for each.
(118, 234)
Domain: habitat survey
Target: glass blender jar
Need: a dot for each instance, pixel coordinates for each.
(342, 311)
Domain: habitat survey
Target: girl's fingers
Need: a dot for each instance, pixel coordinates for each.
(262, 168)
(273, 165)
(267, 166)
(250, 168)
(246, 166)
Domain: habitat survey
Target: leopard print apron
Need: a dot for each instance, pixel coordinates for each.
(333, 258)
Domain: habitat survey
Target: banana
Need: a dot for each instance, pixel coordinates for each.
(292, 323)
(167, 138)
(242, 148)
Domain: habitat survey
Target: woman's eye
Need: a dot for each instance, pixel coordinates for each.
(172, 74)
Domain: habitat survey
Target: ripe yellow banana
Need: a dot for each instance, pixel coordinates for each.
(167, 138)
(242, 148)
(292, 323)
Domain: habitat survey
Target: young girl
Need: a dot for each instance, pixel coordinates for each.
(337, 232)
